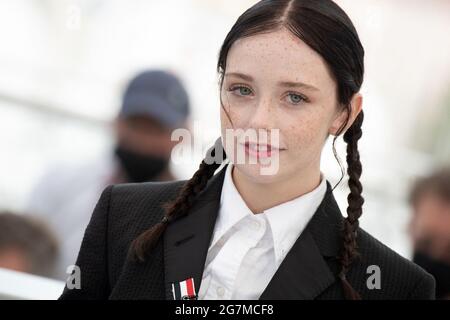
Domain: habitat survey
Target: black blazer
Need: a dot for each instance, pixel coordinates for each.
(309, 270)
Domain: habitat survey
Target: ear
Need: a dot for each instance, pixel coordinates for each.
(356, 107)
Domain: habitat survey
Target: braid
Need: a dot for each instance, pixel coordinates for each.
(355, 202)
(181, 205)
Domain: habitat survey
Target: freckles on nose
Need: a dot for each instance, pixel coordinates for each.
(263, 118)
(264, 108)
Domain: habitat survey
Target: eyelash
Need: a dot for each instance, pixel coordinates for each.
(238, 86)
(305, 99)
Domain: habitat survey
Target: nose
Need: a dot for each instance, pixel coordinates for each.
(263, 116)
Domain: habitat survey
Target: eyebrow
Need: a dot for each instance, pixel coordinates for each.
(289, 84)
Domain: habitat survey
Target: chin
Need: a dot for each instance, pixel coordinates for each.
(259, 173)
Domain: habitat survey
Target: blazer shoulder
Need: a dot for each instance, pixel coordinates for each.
(134, 208)
(140, 204)
(401, 278)
(146, 191)
(121, 214)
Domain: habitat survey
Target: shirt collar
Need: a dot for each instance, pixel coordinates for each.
(232, 206)
(287, 220)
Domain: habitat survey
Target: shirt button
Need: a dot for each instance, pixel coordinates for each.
(220, 291)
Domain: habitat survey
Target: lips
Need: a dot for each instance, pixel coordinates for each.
(260, 150)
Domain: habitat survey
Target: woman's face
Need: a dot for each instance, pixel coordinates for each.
(275, 81)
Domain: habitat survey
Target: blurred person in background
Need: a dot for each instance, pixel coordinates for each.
(430, 227)
(154, 104)
(26, 245)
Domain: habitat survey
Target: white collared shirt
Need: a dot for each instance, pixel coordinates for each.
(246, 248)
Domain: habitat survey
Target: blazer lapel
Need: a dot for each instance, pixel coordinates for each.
(187, 239)
(304, 273)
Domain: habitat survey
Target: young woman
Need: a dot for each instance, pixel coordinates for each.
(295, 67)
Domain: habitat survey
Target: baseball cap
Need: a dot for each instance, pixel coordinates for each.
(158, 94)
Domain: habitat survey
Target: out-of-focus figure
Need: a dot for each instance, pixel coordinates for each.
(154, 104)
(26, 245)
(430, 228)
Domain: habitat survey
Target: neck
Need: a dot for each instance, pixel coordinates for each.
(262, 196)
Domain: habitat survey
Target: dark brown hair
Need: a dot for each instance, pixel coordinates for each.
(326, 28)
(32, 238)
(436, 184)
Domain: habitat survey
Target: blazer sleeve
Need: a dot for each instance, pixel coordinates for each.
(93, 258)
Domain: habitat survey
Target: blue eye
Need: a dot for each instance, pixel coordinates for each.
(244, 91)
(241, 90)
(296, 98)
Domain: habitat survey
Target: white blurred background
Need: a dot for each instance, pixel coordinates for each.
(64, 65)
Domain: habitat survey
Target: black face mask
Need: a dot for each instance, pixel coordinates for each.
(139, 167)
(438, 269)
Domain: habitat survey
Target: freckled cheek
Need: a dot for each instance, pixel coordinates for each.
(303, 136)
(237, 119)
(224, 119)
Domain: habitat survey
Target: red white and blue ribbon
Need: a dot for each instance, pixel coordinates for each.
(184, 290)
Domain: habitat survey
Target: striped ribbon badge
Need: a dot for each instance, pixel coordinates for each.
(184, 290)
